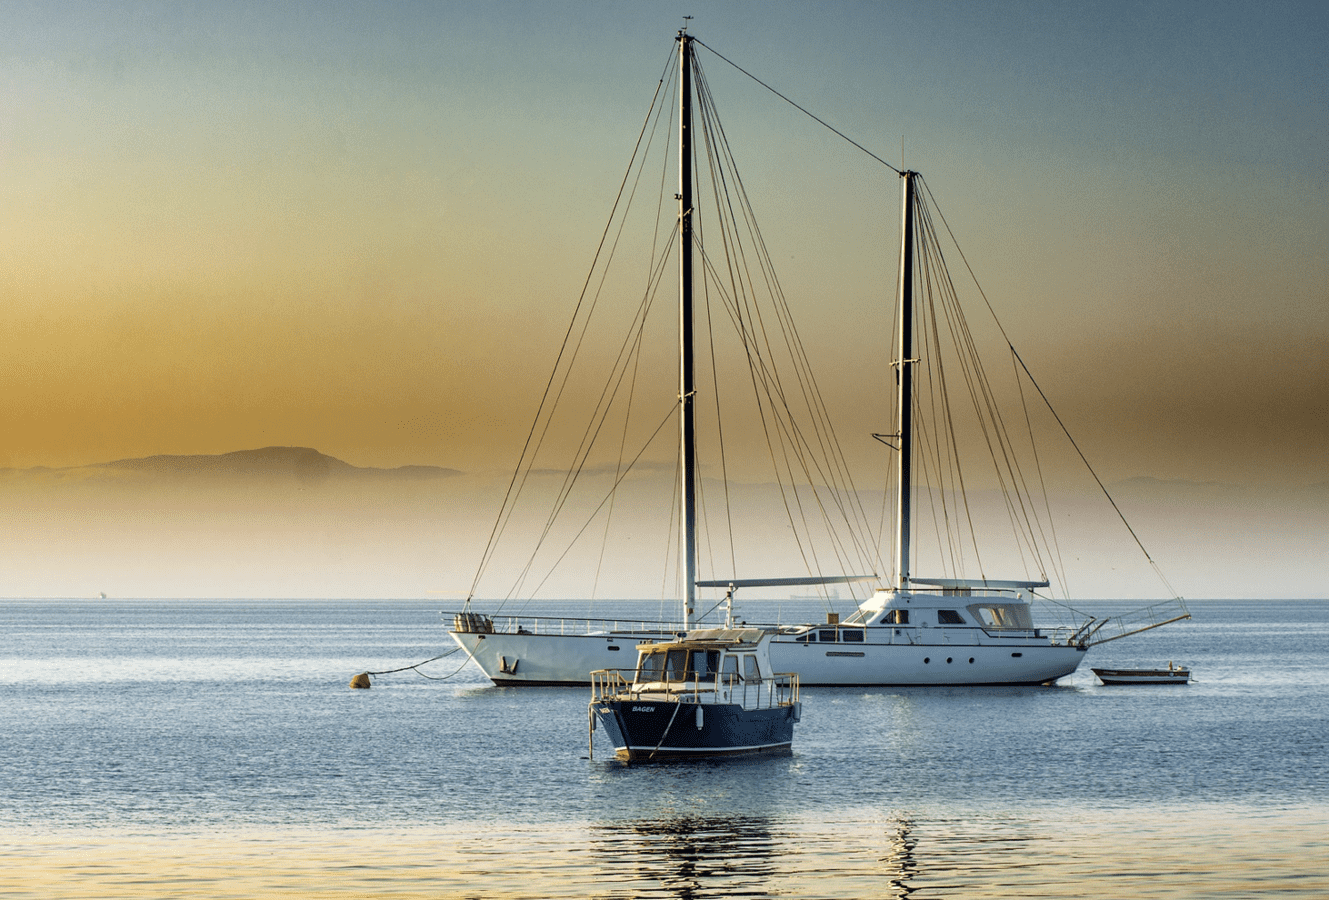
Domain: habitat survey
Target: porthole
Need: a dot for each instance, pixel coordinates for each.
(612, 647)
(926, 660)
(1017, 655)
(971, 660)
(948, 659)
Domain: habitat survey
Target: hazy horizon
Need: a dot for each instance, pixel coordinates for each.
(278, 529)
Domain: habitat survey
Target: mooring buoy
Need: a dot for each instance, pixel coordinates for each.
(361, 680)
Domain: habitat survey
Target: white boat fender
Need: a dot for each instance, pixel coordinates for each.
(699, 717)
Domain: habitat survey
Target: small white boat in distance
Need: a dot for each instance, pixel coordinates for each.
(1170, 675)
(710, 693)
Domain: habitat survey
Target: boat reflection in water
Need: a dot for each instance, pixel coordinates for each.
(688, 856)
(692, 857)
(899, 862)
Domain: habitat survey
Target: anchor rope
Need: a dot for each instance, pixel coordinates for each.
(416, 667)
(677, 707)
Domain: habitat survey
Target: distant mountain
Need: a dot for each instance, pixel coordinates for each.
(298, 461)
(302, 463)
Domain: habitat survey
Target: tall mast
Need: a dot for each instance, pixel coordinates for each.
(905, 377)
(686, 388)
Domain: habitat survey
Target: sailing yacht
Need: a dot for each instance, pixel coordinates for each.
(910, 630)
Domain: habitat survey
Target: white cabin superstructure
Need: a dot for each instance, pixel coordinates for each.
(959, 632)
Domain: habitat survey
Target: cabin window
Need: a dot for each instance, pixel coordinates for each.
(730, 670)
(809, 637)
(854, 635)
(896, 617)
(1003, 615)
(705, 663)
(676, 667)
(949, 617)
(826, 635)
(652, 667)
(751, 672)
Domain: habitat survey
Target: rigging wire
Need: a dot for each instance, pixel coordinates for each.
(608, 392)
(767, 380)
(1048, 403)
(1036, 534)
(791, 439)
(595, 512)
(526, 459)
(814, 118)
(1054, 545)
(815, 454)
(600, 416)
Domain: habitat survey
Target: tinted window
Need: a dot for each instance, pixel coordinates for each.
(651, 666)
(750, 669)
(949, 617)
(677, 665)
(851, 634)
(705, 663)
(826, 635)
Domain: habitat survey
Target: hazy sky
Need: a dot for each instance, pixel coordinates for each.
(354, 226)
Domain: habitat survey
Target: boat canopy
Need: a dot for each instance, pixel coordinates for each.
(784, 582)
(951, 584)
(727, 636)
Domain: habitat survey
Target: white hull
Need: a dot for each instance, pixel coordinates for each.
(999, 661)
(912, 657)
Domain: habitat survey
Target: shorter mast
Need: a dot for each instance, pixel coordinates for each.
(905, 379)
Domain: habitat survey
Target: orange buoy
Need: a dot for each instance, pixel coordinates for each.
(361, 680)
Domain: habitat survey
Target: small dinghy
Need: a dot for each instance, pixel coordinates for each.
(709, 693)
(1170, 675)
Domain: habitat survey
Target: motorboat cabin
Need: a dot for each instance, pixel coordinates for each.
(710, 693)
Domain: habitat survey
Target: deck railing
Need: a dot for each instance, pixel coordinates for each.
(1100, 631)
(482, 623)
(750, 693)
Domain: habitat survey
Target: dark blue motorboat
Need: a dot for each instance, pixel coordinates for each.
(710, 693)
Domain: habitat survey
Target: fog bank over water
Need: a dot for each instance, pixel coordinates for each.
(292, 522)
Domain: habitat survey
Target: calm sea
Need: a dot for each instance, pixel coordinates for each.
(214, 749)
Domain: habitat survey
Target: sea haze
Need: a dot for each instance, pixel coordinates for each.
(293, 522)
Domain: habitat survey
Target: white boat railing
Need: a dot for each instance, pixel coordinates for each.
(750, 693)
(1100, 631)
(482, 623)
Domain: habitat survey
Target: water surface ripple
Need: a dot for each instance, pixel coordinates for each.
(213, 748)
